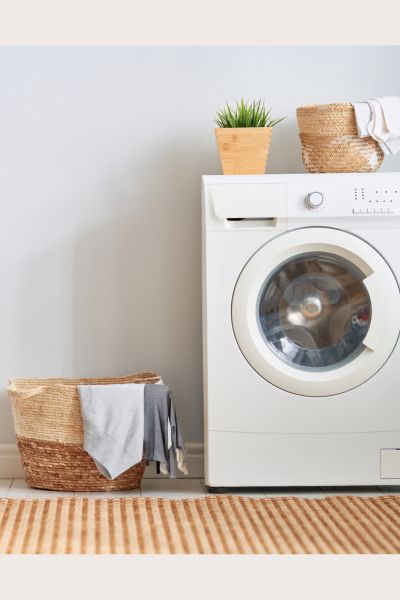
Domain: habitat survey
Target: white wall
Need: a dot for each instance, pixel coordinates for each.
(101, 153)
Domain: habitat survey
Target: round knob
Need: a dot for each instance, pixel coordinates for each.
(315, 200)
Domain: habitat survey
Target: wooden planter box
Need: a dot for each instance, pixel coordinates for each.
(243, 150)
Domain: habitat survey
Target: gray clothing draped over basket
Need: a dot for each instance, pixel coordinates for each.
(124, 423)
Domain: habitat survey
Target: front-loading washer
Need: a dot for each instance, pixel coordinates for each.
(301, 319)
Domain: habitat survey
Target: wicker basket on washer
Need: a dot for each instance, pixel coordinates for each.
(49, 429)
(330, 143)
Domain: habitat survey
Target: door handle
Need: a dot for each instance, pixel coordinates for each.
(379, 312)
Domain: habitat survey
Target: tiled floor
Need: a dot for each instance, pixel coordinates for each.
(190, 488)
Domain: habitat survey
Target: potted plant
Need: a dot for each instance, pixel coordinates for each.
(244, 136)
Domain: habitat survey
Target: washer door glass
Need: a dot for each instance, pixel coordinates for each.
(314, 311)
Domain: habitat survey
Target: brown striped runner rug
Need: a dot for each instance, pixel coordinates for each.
(209, 525)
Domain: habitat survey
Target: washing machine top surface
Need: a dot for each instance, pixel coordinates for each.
(284, 201)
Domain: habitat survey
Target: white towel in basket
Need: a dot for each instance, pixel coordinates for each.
(380, 119)
(113, 419)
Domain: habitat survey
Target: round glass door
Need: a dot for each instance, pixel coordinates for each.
(314, 311)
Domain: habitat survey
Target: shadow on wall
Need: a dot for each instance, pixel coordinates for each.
(137, 279)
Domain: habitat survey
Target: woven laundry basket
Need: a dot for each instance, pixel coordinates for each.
(330, 142)
(49, 429)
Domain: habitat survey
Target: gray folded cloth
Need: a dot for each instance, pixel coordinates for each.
(159, 417)
(113, 420)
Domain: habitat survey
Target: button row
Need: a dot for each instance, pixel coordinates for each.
(371, 210)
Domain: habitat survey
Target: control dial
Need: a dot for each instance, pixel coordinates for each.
(315, 201)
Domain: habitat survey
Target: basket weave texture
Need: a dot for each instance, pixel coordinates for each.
(49, 428)
(330, 142)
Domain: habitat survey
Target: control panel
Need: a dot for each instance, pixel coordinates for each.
(354, 200)
(281, 202)
(373, 200)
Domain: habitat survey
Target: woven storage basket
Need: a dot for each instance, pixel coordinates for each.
(49, 429)
(330, 142)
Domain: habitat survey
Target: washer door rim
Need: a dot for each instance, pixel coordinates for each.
(378, 343)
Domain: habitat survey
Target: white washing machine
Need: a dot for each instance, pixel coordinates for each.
(301, 319)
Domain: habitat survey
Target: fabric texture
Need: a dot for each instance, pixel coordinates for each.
(113, 419)
(163, 441)
(208, 525)
(379, 118)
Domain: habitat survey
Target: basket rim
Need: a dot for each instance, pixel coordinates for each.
(69, 381)
(338, 106)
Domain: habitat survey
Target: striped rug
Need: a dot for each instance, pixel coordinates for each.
(209, 525)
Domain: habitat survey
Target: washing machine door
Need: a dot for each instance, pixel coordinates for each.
(316, 311)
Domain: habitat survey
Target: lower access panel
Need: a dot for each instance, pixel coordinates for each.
(390, 463)
(236, 459)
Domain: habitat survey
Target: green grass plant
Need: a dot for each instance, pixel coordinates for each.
(246, 114)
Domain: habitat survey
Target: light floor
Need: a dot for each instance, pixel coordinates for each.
(189, 488)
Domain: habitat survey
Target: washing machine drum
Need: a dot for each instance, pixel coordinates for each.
(316, 311)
